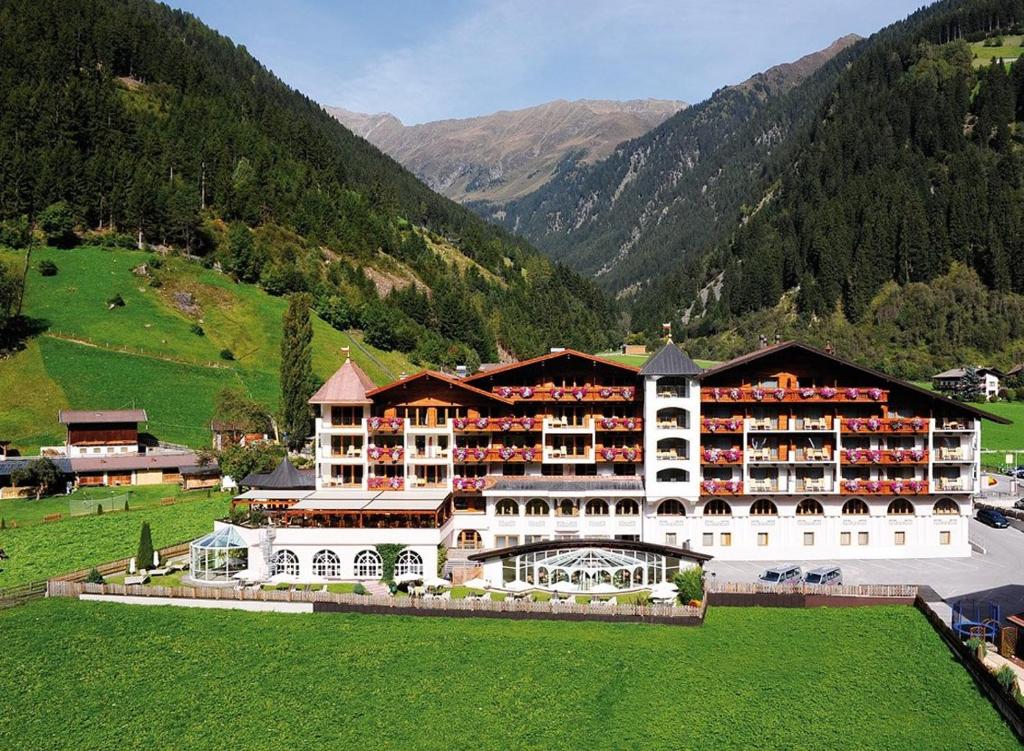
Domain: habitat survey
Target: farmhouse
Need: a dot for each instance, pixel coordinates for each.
(989, 380)
(573, 471)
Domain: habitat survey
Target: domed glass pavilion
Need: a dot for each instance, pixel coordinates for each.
(219, 555)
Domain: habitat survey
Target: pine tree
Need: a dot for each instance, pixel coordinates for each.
(144, 554)
(296, 371)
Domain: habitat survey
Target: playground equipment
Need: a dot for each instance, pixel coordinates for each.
(976, 619)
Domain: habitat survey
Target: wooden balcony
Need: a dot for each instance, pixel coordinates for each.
(908, 425)
(509, 454)
(884, 456)
(807, 394)
(496, 424)
(471, 484)
(569, 394)
(386, 483)
(721, 425)
(385, 454)
(786, 453)
(883, 487)
(721, 487)
(620, 424)
(393, 425)
(620, 454)
(715, 456)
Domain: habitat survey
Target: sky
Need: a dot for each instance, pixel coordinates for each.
(425, 60)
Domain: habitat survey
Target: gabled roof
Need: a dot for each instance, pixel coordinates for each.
(284, 477)
(348, 385)
(448, 380)
(759, 354)
(70, 416)
(668, 361)
(551, 356)
(961, 372)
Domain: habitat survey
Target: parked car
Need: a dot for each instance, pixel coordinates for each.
(831, 575)
(1019, 504)
(992, 518)
(781, 575)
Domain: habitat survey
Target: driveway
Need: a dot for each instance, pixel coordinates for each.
(997, 574)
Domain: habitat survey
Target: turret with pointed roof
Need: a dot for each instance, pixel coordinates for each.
(284, 477)
(670, 360)
(348, 385)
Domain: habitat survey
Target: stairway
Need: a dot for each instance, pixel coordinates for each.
(380, 589)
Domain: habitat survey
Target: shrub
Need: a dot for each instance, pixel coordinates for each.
(442, 557)
(690, 583)
(57, 221)
(95, 577)
(144, 554)
(1007, 678)
(47, 268)
(227, 354)
(116, 301)
(99, 509)
(643, 599)
(359, 589)
(196, 329)
(16, 233)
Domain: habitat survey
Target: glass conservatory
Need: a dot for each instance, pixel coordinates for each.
(586, 569)
(219, 555)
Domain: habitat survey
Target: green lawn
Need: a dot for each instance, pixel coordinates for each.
(44, 550)
(1003, 437)
(129, 677)
(1009, 51)
(140, 346)
(638, 360)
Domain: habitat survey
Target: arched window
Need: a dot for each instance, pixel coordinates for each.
(900, 507)
(368, 565)
(671, 507)
(627, 507)
(537, 507)
(409, 562)
(809, 507)
(673, 475)
(717, 507)
(284, 562)
(673, 448)
(326, 564)
(855, 507)
(469, 539)
(597, 507)
(507, 507)
(946, 507)
(763, 507)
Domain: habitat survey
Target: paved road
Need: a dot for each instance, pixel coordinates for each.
(998, 574)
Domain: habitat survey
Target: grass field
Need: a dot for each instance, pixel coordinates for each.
(145, 353)
(637, 361)
(1009, 51)
(40, 551)
(106, 676)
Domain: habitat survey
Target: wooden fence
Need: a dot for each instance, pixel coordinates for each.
(386, 604)
(737, 594)
(116, 567)
(11, 596)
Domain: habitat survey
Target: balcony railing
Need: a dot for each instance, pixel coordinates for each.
(721, 424)
(721, 487)
(883, 487)
(567, 426)
(672, 424)
(343, 452)
(386, 483)
(954, 424)
(951, 484)
(620, 454)
(762, 486)
(885, 425)
(767, 454)
(952, 454)
(465, 455)
(811, 394)
(620, 423)
(566, 393)
(385, 424)
(385, 454)
(430, 453)
(495, 424)
(884, 456)
(721, 456)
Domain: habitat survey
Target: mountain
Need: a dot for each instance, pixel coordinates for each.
(676, 188)
(505, 155)
(130, 122)
(895, 225)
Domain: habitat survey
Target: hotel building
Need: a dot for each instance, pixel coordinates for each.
(570, 467)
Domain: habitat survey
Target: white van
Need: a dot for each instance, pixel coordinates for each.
(781, 575)
(826, 575)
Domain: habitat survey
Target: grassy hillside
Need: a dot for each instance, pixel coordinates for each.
(146, 353)
(156, 677)
(1008, 51)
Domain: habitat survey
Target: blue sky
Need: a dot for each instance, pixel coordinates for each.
(436, 59)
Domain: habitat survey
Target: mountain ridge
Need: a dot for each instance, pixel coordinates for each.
(508, 153)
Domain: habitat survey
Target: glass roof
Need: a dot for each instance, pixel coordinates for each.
(225, 537)
(590, 558)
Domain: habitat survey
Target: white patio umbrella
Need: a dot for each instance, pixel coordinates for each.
(476, 583)
(282, 579)
(603, 589)
(243, 574)
(563, 587)
(406, 578)
(664, 591)
(517, 585)
(434, 582)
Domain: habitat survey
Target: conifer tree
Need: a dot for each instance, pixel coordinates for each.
(296, 371)
(144, 554)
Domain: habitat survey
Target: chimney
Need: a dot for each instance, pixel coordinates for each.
(666, 329)
(829, 349)
(461, 371)
(402, 376)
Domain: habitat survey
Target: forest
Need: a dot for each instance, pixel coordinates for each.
(127, 122)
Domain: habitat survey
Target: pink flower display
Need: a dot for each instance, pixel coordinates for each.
(917, 424)
(876, 456)
(482, 423)
(375, 423)
(853, 394)
(395, 423)
(735, 394)
(605, 392)
(732, 455)
(631, 423)
(526, 422)
(373, 452)
(526, 392)
(608, 453)
(827, 392)
(460, 423)
(733, 486)
(578, 393)
(898, 454)
(716, 393)
(479, 453)
(732, 424)
(854, 424)
(711, 425)
(758, 394)
(712, 454)
(528, 454)
(895, 424)
(461, 453)
(505, 392)
(631, 454)
(557, 393)
(608, 423)
(873, 486)
(627, 393)
(779, 394)
(875, 394)
(711, 486)
(916, 486)
(395, 482)
(806, 392)
(505, 424)
(874, 423)
(896, 487)
(917, 454)
(852, 485)
(506, 453)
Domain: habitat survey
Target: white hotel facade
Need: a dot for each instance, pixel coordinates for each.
(568, 467)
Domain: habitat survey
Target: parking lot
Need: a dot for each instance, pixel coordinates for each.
(997, 574)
